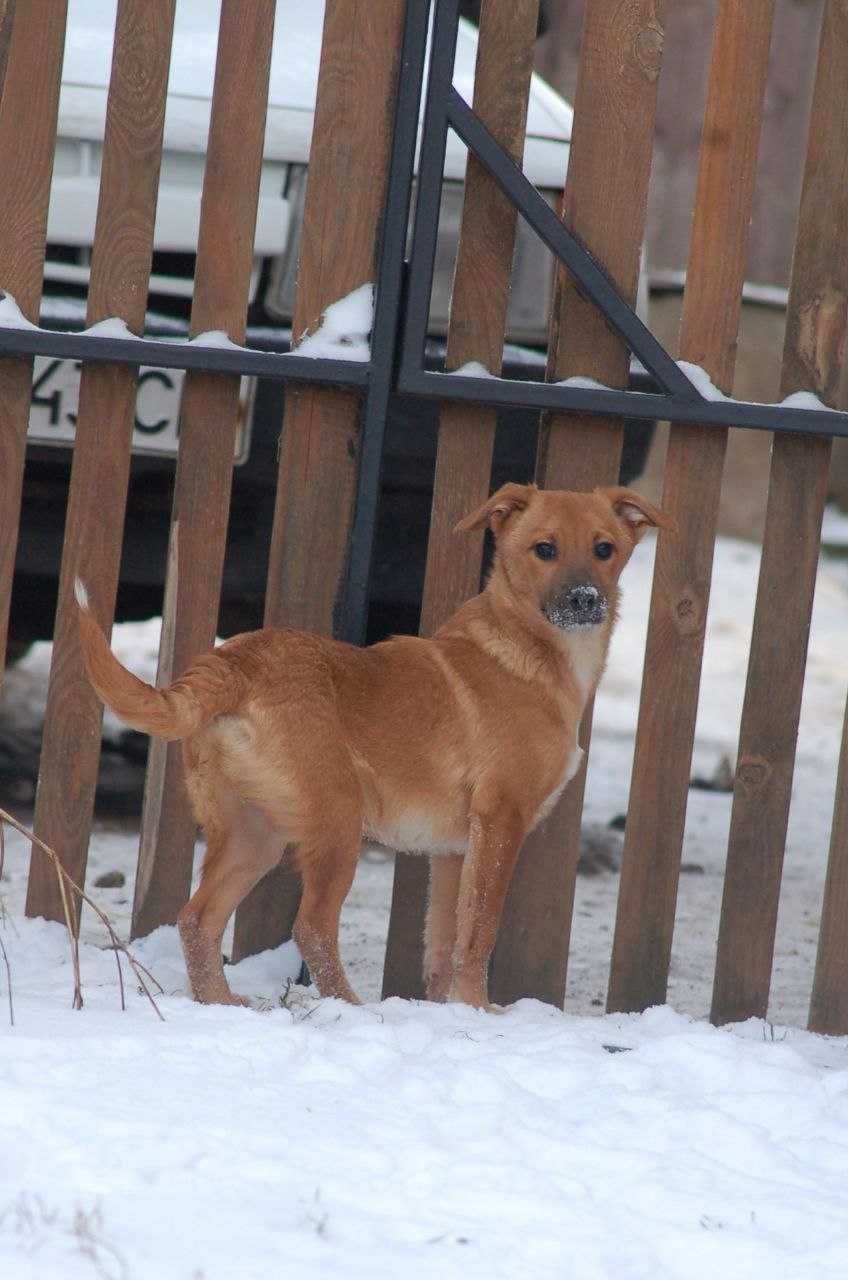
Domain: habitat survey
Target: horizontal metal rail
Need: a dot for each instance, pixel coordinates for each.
(509, 392)
(605, 401)
(29, 341)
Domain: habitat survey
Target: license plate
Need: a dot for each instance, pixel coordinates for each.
(55, 402)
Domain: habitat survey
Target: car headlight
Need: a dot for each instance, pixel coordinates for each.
(532, 274)
(279, 294)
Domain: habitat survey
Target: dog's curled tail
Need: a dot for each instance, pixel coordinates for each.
(185, 707)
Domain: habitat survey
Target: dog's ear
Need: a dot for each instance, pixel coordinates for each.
(636, 512)
(494, 513)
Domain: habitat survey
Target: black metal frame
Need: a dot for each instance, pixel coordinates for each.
(680, 400)
(402, 304)
(181, 354)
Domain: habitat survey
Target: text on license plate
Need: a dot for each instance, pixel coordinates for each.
(55, 402)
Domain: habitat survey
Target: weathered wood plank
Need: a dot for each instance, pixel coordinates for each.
(659, 786)
(208, 422)
(813, 356)
(466, 433)
(614, 114)
(350, 148)
(7, 22)
(120, 270)
(28, 108)
(829, 1003)
(348, 168)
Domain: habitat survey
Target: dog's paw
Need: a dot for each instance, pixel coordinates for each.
(476, 999)
(239, 1002)
(226, 998)
(487, 1006)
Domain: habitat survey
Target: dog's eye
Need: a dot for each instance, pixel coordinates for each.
(603, 550)
(545, 550)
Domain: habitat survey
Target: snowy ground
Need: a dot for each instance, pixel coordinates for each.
(402, 1138)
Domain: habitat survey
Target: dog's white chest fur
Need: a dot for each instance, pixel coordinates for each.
(586, 652)
(415, 833)
(571, 768)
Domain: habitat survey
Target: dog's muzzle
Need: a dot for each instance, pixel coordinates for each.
(577, 609)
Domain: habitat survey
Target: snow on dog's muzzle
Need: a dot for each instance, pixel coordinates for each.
(577, 608)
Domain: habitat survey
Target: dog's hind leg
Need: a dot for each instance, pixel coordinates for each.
(440, 929)
(327, 866)
(239, 853)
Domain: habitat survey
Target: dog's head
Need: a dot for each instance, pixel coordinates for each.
(561, 553)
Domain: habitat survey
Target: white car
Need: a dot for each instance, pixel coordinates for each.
(288, 135)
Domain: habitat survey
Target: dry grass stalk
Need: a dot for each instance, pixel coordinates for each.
(2, 945)
(68, 884)
(8, 982)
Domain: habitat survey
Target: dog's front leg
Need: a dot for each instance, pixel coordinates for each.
(440, 930)
(496, 836)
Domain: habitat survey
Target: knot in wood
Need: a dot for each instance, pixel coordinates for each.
(752, 774)
(687, 612)
(135, 66)
(820, 341)
(648, 48)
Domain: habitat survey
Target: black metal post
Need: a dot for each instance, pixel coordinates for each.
(352, 606)
(428, 189)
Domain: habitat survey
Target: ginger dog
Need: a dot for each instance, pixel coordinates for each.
(454, 746)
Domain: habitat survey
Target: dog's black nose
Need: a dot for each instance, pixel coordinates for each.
(577, 607)
(583, 599)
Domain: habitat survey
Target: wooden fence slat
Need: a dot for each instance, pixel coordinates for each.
(348, 169)
(7, 22)
(614, 115)
(812, 361)
(208, 422)
(829, 1002)
(654, 833)
(349, 157)
(466, 433)
(28, 108)
(120, 269)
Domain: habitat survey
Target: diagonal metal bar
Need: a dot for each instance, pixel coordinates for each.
(576, 257)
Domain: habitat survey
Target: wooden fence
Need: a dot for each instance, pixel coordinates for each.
(605, 205)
